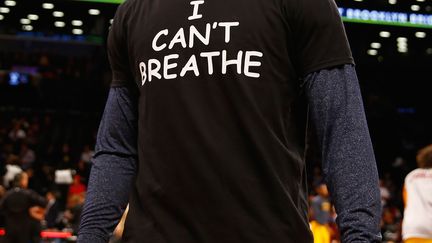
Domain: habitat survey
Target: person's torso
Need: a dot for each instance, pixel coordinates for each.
(321, 209)
(418, 211)
(220, 147)
(16, 209)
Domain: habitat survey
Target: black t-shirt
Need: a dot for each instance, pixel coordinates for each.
(219, 139)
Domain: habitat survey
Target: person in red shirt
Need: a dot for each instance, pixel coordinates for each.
(77, 187)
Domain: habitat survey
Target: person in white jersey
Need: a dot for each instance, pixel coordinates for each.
(417, 194)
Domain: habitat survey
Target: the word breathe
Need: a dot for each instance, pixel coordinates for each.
(169, 68)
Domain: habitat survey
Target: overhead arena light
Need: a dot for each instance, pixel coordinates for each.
(47, 5)
(32, 17)
(10, 3)
(402, 39)
(392, 2)
(376, 45)
(372, 52)
(25, 21)
(4, 10)
(27, 27)
(429, 51)
(421, 1)
(402, 44)
(94, 11)
(77, 22)
(384, 34)
(58, 14)
(59, 24)
(403, 50)
(420, 34)
(415, 7)
(1, 17)
(402, 47)
(77, 31)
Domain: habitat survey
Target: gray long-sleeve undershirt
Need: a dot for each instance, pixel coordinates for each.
(348, 161)
(337, 115)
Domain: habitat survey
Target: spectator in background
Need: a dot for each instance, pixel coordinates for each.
(2, 191)
(390, 224)
(417, 195)
(32, 136)
(321, 214)
(83, 169)
(17, 133)
(64, 161)
(48, 155)
(317, 175)
(23, 209)
(52, 210)
(11, 171)
(384, 192)
(72, 215)
(65, 157)
(77, 188)
(87, 154)
(27, 156)
(84, 164)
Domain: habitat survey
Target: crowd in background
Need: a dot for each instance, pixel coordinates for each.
(57, 164)
(48, 129)
(56, 156)
(322, 211)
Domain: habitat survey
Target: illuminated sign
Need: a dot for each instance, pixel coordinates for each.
(363, 16)
(386, 18)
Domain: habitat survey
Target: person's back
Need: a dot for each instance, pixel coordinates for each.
(417, 222)
(219, 147)
(52, 210)
(417, 195)
(212, 92)
(16, 206)
(20, 224)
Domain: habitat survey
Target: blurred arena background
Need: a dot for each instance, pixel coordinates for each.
(54, 78)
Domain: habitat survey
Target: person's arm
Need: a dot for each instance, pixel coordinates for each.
(313, 208)
(37, 213)
(348, 161)
(36, 199)
(114, 165)
(114, 162)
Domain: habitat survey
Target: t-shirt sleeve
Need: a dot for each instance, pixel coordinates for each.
(319, 35)
(118, 48)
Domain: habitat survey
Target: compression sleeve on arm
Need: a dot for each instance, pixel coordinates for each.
(348, 161)
(113, 170)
